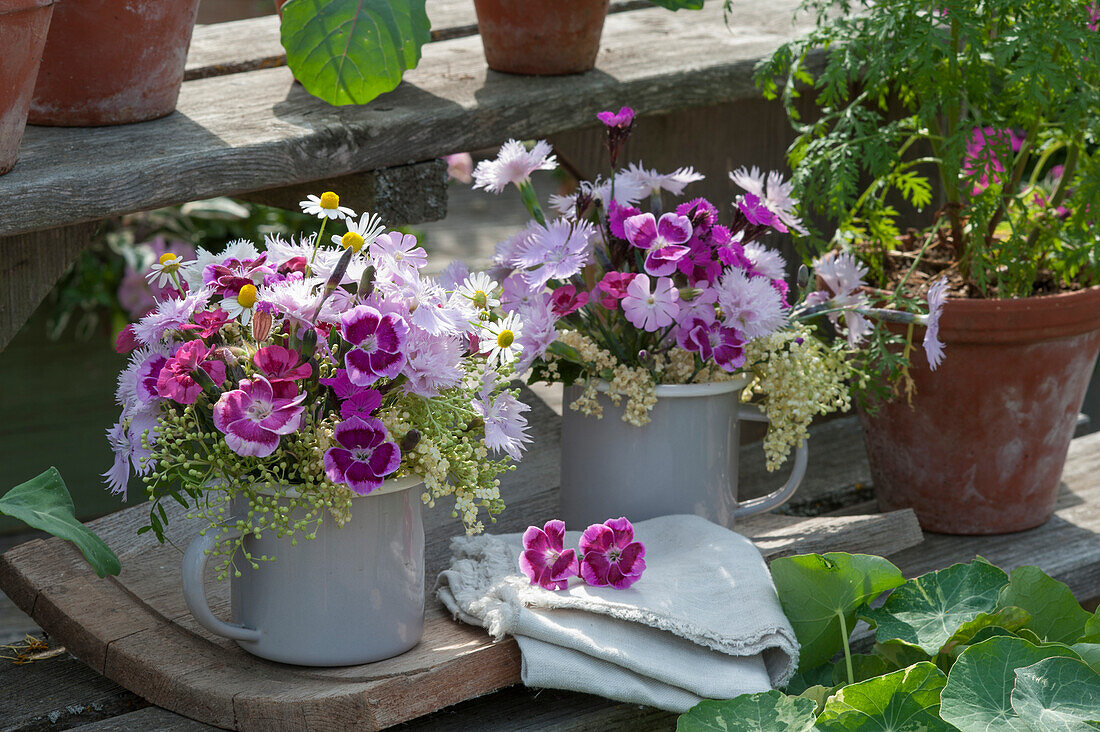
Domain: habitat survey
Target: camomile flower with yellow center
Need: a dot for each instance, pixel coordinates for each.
(327, 206)
(360, 234)
(504, 347)
(241, 305)
(165, 270)
(482, 291)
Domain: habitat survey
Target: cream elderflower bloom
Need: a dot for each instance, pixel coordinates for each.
(505, 344)
(165, 269)
(481, 290)
(325, 206)
(242, 305)
(361, 234)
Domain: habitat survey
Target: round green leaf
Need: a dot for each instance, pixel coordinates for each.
(350, 51)
(1089, 653)
(984, 626)
(908, 699)
(977, 697)
(763, 712)
(818, 590)
(1058, 694)
(926, 611)
(1056, 616)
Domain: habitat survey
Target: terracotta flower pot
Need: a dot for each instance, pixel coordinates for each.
(541, 37)
(982, 448)
(110, 62)
(23, 27)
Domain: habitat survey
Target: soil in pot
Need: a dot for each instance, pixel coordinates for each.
(23, 29)
(111, 62)
(541, 37)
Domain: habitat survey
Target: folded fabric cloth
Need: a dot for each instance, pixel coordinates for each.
(703, 622)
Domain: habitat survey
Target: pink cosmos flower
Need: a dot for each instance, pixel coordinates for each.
(379, 341)
(208, 322)
(175, 380)
(614, 285)
(361, 404)
(253, 418)
(654, 310)
(566, 300)
(545, 560)
(280, 366)
(663, 238)
(933, 347)
(610, 556)
(622, 119)
(363, 457)
(712, 340)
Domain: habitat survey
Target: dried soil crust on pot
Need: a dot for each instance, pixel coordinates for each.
(982, 447)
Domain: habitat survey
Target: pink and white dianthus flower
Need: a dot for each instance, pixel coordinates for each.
(341, 385)
(773, 192)
(842, 275)
(170, 315)
(539, 331)
(765, 261)
(545, 560)
(361, 404)
(434, 362)
(654, 182)
(750, 305)
(654, 310)
(362, 457)
(176, 380)
(712, 341)
(555, 252)
(505, 425)
(398, 254)
(513, 165)
(933, 346)
(663, 239)
(378, 342)
(700, 307)
(253, 418)
(610, 556)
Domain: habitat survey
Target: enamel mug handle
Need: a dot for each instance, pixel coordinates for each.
(194, 564)
(751, 413)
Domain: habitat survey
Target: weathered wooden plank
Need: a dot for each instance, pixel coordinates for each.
(150, 718)
(242, 132)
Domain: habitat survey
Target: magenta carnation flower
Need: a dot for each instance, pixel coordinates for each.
(613, 286)
(617, 214)
(378, 341)
(253, 417)
(175, 380)
(126, 340)
(341, 385)
(361, 404)
(623, 118)
(610, 556)
(363, 457)
(208, 322)
(663, 239)
(566, 300)
(280, 366)
(713, 340)
(544, 560)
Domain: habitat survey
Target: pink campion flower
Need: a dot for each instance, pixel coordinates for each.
(282, 368)
(363, 456)
(712, 341)
(555, 252)
(176, 381)
(750, 305)
(610, 556)
(253, 418)
(379, 341)
(613, 286)
(566, 300)
(933, 346)
(126, 340)
(700, 307)
(545, 560)
(648, 310)
(208, 322)
(361, 404)
(513, 165)
(623, 118)
(774, 193)
(617, 214)
(662, 238)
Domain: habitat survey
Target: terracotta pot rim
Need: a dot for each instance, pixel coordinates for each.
(1021, 320)
(7, 7)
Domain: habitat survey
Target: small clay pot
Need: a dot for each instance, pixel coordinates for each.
(23, 28)
(541, 37)
(110, 62)
(982, 447)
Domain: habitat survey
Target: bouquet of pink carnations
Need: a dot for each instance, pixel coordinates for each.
(302, 374)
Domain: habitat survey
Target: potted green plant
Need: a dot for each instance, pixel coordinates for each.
(998, 105)
(23, 26)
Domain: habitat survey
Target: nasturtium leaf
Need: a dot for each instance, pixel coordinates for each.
(835, 673)
(1030, 636)
(927, 610)
(908, 699)
(1058, 694)
(1092, 629)
(1090, 653)
(44, 503)
(817, 676)
(1007, 619)
(1055, 613)
(762, 712)
(899, 654)
(819, 591)
(679, 4)
(818, 695)
(977, 697)
(350, 51)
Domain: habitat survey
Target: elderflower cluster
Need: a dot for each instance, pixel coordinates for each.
(633, 382)
(798, 376)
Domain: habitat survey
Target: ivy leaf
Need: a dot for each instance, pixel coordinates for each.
(1007, 619)
(902, 700)
(44, 503)
(927, 610)
(1058, 694)
(350, 51)
(820, 592)
(1056, 616)
(977, 697)
(762, 712)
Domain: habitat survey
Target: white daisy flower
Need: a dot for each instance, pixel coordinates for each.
(327, 206)
(360, 234)
(241, 306)
(163, 271)
(513, 164)
(481, 290)
(505, 347)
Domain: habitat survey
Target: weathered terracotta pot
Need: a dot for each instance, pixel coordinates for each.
(110, 62)
(982, 448)
(541, 37)
(23, 27)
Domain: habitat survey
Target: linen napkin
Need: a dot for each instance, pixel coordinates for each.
(703, 622)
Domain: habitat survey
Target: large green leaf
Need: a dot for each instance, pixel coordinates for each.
(44, 503)
(1089, 653)
(864, 666)
(1058, 694)
(977, 697)
(1055, 613)
(1092, 628)
(819, 592)
(984, 626)
(926, 611)
(350, 51)
(763, 712)
(908, 699)
(679, 4)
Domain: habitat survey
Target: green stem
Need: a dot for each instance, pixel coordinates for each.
(316, 243)
(531, 201)
(847, 650)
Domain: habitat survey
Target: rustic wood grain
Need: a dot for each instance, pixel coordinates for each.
(150, 718)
